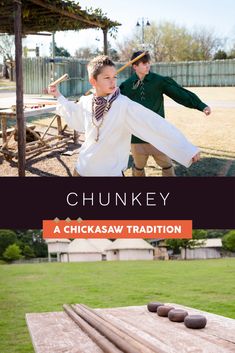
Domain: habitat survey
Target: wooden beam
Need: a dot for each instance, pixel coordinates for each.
(105, 34)
(66, 13)
(19, 89)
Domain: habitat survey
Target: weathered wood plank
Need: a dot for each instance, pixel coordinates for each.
(57, 333)
(217, 325)
(54, 329)
(165, 334)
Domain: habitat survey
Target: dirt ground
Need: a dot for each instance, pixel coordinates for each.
(215, 135)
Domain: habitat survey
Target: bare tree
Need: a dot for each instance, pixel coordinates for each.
(85, 53)
(205, 44)
(127, 47)
(167, 42)
(7, 48)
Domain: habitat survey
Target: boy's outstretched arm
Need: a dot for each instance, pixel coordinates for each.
(150, 127)
(183, 96)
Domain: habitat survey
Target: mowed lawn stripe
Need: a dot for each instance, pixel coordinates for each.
(207, 285)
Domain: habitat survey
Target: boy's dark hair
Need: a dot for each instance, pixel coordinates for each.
(96, 65)
(144, 59)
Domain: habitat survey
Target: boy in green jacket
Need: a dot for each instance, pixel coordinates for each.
(147, 88)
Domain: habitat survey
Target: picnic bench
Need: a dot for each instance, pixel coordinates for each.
(140, 330)
(40, 141)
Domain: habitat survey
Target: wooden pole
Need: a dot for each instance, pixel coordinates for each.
(60, 79)
(105, 34)
(53, 57)
(129, 63)
(19, 89)
(118, 339)
(99, 339)
(133, 337)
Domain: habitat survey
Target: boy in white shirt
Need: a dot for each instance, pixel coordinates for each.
(108, 120)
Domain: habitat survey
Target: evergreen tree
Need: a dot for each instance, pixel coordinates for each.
(7, 237)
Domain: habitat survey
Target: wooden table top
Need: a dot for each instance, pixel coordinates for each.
(28, 112)
(56, 332)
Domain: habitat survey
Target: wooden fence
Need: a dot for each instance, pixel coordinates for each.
(39, 72)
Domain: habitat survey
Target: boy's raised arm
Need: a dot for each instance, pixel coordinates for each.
(71, 112)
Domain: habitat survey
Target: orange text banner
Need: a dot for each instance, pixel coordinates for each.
(113, 229)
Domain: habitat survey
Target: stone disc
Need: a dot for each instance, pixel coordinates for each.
(152, 307)
(177, 315)
(195, 321)
(163, 310)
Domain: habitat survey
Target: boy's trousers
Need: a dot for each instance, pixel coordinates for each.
(141, 153)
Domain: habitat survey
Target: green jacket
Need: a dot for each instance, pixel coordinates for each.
(150, 94)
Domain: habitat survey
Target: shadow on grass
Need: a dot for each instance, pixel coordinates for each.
(54, 154)
(207, 166)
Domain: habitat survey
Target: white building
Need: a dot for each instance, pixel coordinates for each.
(102, 245)
(210, 249)
(80, 250)
(130, 249)
(58, 247)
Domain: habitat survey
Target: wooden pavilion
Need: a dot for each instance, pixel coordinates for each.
(23, 17)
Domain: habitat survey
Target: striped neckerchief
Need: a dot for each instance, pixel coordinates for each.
(101, 105)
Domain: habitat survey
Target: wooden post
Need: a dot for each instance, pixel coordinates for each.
(53, 57)
(4, 129)
(105, 33)
(59, 125)
(19, 89)
(75, 137)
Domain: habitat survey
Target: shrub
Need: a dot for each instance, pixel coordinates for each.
(12, 253)
(7, 237)
(228, 241)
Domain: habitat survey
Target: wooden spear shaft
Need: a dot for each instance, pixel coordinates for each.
(60, 79)
(131, 62)
(121, 344)
(100, 340)
(121, 340)
(132, 336)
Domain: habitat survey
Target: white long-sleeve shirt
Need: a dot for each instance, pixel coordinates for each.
(109, 155)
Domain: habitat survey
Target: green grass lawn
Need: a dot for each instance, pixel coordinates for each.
(207, 285)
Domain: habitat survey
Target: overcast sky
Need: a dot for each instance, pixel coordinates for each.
(215, 15)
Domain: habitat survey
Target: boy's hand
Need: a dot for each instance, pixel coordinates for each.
(54, 91)
(207, 111)
(196, 158)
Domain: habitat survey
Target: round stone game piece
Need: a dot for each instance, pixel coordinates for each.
(195, 321)
(152, 307)
(177, 315)
(163, 310)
